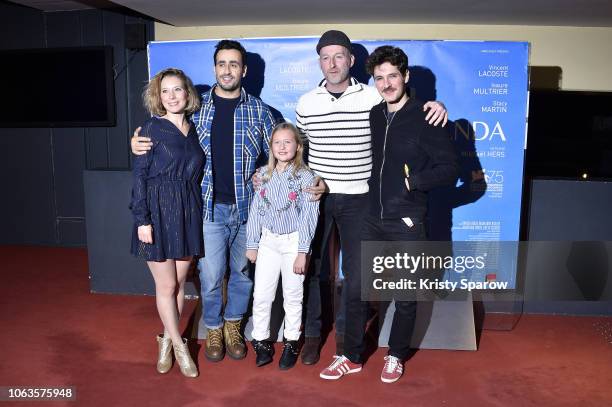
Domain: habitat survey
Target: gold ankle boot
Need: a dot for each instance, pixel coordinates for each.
(183, 358)
(164, 356)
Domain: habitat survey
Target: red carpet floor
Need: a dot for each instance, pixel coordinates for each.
(55, 333)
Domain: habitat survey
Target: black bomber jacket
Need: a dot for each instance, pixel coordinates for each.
(409, 141)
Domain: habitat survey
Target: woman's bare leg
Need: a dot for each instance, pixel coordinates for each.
(165, 276)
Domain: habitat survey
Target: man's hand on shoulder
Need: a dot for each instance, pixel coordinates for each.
(140, 144)
(317, 189)
(256, 178)
(437, 113)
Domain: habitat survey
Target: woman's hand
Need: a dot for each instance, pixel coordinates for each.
(299, 265)
(145, 234)
(251, 254)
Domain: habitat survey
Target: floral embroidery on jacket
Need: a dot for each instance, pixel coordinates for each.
(295, 188)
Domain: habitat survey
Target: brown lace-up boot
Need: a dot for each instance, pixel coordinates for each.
(214, 345)
(234, 342)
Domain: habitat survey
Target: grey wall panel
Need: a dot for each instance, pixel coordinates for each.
(570, 210)
(136, 83)
(137, 79)
(63, 29)
(92, 27)
(569, 307)
(26, 176)
(92, 34)
(118, 135)
(26, 170)
(21, 27)
(112, 269)
(442, 324)
(71, 232)
(69, 156)
(559, 276)
(96, 141)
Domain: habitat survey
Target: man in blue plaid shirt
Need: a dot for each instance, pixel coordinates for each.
(230, 124)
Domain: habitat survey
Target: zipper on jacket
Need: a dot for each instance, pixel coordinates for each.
(387, 125)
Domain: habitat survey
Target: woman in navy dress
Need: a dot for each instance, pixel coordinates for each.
(167, 206)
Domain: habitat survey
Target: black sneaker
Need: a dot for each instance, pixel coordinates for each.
(290, 355)
(264, 351)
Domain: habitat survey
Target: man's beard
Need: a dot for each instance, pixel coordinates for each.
(229, 88)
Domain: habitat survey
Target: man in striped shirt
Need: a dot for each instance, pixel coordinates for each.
(334, 121)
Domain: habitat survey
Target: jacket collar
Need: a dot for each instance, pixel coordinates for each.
(410, 104)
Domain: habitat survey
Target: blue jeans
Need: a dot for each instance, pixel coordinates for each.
(225, 235)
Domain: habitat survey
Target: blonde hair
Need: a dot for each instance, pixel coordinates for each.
(151, 96)
(298, 160)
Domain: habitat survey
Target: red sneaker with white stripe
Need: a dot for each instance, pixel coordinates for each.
(339, 367)
(392, 370)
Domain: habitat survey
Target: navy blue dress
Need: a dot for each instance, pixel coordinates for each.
(166, 193)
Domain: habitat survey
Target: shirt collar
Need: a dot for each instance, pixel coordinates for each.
(208, 99)
(354, 86)
(288, 170)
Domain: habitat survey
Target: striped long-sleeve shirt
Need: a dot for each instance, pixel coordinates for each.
(337, 131)
(282, 206)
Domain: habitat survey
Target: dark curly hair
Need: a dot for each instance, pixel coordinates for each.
(230, 44)
(387, 53)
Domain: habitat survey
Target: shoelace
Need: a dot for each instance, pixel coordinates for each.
(234, 333)
(336, 363)
(391, 363)
(215, 337)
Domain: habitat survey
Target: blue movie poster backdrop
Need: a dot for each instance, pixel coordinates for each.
(484, 86)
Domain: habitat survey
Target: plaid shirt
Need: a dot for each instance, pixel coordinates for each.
(253, 124)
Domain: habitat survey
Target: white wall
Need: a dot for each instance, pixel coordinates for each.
(584, 54)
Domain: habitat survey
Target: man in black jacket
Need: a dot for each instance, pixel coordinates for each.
(409, 159)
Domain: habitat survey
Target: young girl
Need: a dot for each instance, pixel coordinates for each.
(166, 204)
(282, 222)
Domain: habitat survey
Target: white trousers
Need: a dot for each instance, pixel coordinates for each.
(275, 258)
